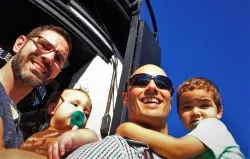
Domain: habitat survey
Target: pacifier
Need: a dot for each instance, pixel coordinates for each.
(77, 119)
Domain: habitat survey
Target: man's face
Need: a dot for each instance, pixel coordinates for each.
(31, 65)
(148, 105)
(197, 105)
(70, 102)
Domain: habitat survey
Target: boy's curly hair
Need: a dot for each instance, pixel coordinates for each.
(195, 83)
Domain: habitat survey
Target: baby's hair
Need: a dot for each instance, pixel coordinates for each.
(202, 83)
(54, 97)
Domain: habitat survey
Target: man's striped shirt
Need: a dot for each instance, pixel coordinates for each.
(114, 147)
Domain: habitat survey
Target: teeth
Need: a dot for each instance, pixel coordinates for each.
(150, 100)
(37, 66)
(195, 121)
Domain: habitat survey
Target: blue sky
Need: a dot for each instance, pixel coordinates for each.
(208, 38)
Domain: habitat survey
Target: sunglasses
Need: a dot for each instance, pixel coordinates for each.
(46, 47)
(143, 79)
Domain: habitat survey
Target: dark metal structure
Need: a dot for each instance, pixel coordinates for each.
(98, 28)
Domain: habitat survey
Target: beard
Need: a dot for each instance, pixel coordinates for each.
(28, 77)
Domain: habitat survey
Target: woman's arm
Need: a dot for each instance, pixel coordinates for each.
(17, 153)
(14, 153)
(163, 144)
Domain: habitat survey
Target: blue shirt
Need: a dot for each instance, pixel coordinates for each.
(12, 135)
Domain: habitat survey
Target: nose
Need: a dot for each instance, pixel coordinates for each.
(79, 109)
(151, 85)
(196, 112)
(48, 58)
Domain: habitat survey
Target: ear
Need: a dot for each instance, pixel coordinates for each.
(170, 104)
(219, 112)
(51, 108)
(125, 98)
(19, 43)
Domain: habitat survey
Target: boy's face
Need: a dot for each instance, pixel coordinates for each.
(197, 105)
(70, 101)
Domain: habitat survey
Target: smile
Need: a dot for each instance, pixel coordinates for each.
(40, 67)
(151, 100)
(194, 121)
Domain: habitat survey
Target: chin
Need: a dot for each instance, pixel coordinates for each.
(190, 128)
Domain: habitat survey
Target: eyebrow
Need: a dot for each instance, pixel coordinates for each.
(196, 99)
(75, 100)
(203, 99)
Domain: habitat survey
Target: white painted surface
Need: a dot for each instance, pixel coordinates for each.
(95, 77)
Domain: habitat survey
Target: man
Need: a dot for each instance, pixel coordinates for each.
(148, 98)
(39, 58)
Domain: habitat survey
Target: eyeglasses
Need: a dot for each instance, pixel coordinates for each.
(46, 47)
(143, 79)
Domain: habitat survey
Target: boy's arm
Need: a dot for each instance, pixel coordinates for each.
(71, 140)
(163, 144)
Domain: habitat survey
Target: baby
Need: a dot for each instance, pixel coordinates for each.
(67, 110)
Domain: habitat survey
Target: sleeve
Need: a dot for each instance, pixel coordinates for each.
(3, 100)
(1, 109)
(214, 134)
(109, 147)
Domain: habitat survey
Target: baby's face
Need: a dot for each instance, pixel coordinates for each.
(70, 102)
(197, 105)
